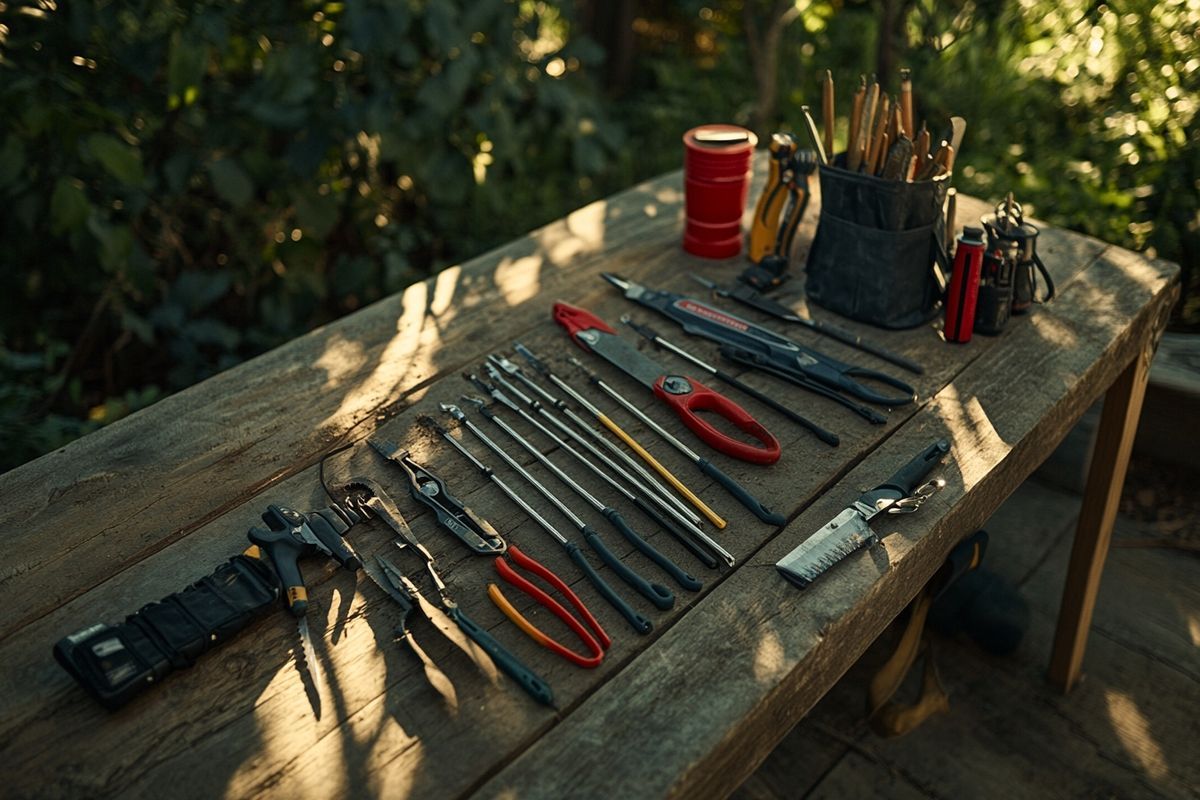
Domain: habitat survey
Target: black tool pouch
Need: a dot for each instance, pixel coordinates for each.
(115, 662)
(878, 248)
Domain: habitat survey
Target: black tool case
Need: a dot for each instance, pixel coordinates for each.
(879, 247)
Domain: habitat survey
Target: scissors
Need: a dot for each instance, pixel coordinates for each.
(779, 353)
(685, 396)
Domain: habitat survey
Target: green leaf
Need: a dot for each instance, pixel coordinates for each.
(122, 161)
(231, 182)
(69, 206)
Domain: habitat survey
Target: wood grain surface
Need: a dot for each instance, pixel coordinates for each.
(143, 507)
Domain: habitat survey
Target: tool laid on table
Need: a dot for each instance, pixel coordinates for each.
(851, 529)
(780, 209)
(430, 490)
(452, 519)
(116, 662)
(681, 394)
(384, 575)
(288, 537)
(663, 496)
(661, 599)
(638, 475)
(620, 433)
(597, 643)
(634, 496)
(794, 416)
(755, 345)
(741, 493)
(749, 296)
(590, 535)
(368, 498)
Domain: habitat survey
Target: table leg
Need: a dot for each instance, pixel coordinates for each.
(1101, 496)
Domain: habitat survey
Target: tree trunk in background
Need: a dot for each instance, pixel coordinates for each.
(764, 56)
(892, 44)
(609, 23)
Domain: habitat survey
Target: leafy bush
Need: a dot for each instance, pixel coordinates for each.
(188, 184)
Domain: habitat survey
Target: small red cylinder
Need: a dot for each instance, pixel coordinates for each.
(716, 168)
(963, 292)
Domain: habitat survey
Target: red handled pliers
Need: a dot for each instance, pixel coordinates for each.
(596, 644)
(685, 396)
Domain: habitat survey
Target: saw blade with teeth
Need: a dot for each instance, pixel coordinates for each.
(841, 536)
(308, 655)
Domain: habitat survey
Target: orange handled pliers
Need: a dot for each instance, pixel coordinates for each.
(596, 644)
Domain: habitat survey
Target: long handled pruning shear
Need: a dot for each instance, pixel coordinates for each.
(766, 349)
(685, 396)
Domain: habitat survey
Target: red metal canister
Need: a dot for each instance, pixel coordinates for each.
(716, 169)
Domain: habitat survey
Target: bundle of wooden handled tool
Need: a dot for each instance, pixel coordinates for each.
(882, 136)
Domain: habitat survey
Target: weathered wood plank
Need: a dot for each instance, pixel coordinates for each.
(769, 651)
(105, 501)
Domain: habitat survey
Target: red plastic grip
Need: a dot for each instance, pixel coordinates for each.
(701, 398)
(596, 645)
(576, 319)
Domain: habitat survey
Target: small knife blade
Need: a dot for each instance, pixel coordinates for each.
(850, 529)
(838, 538)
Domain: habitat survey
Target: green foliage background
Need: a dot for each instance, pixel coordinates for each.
(188, 184)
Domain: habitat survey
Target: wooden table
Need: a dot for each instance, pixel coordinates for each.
(142, 507)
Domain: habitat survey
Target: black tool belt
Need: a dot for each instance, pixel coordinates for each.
(115, 662)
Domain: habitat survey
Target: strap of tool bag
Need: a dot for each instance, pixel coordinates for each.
(889, 718)
(115, 662)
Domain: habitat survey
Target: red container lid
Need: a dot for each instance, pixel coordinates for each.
(720, 140)
(712, 231)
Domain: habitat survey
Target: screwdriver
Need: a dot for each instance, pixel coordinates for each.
(643, 453)
(670, 567)
(636, 620)
(649, 482)
(636, 498)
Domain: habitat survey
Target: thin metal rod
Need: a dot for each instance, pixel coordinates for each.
(504, 487)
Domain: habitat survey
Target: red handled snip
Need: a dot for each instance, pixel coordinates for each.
(685, 396)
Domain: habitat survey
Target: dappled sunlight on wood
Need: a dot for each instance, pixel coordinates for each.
(585, 234)
(1053, 330)
(1133, 730)
(971, 432)
(518, 279)
(410, 354)
(340, 360)
(769, 661)
(1193, 625)
(280, 734)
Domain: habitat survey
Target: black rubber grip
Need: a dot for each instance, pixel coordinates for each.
(656, 593)
(636, 620)
(825, 436)
(512, 666)
(743, 496)
(911, 474)
(285, 551)
(668, 566)
(697, 549)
